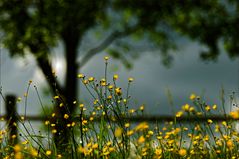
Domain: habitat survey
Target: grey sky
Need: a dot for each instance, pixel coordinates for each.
(152, 79)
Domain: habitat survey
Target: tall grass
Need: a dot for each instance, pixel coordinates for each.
(105, 131)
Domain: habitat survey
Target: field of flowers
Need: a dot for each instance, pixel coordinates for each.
(106, 131)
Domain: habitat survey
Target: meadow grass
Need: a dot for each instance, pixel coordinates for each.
(105, 131)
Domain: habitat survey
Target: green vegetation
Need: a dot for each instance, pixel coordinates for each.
(36, 27)
(105, 131)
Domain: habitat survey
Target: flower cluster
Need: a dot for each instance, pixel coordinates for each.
(103, 129)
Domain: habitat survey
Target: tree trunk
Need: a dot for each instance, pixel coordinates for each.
(63, 136)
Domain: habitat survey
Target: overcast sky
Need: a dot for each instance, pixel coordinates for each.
(187, 75)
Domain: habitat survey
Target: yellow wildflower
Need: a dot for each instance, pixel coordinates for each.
(54, 131)
(126, 125)
(179, 114)
(214, 107)
(207, 108)
(192, 96)
(48, 152)
(230, 144)
(141, 108)
(234, 114)
(209, 121)
(17, 148)
(95, 146)
(33, 152)
(185, 107)
(118, 91)
(182, 152)
(115, 77)
(91, 79)
(130, 132)
(141, 139)
(158, 151)
(18, 155)
(106, 58)
(66, 116)
(130, 79)
(142, 126)
(118, 132)
(81, 75)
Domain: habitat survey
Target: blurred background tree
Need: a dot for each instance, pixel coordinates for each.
(35, 27)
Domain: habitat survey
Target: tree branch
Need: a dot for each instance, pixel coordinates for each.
(108, 41)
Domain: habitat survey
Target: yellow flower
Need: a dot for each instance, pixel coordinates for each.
(126, 125)
(54, 131)
(118, 91)
(192, 96)
(141, 139)
(185, 107)
(110, 87)
(182, 152)
(209, 121)
(179, 114)
(130, 79)
(85, 82)
(150, 132)
(33, 152)
(48, 152)
(18, 155)
(206, 138)
(214, 107)
(73, 124)
(106, 58)
(19, 99)
(131, 111)
(53, 114)
(81, 75)
(224, 123)
(230, 144)
(81, 105)
(61, 105)
(207, 108)
(91, 118)
(25, 142)
(141, 108)
(234, 114)
(191, 109)
(17, 148)
(84, 122)
(103, 82)
(118, 132)
(95, 146)
(56, 97)
(115, 77)
(14, 136)
(91, 79)
(66, 116)
(218, 151)
(142, 126)
(199, 113)
(109, 143)
(130, 132)
(158, 152)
